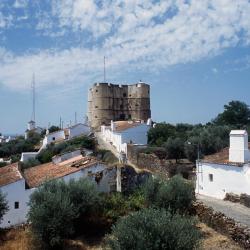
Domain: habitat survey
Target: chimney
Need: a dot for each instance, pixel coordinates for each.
(112, 126)
(238, 151)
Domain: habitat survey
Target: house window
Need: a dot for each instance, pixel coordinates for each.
(211, 177)
(53, 138)
(96, 107)
(16, 205)
(124, 95)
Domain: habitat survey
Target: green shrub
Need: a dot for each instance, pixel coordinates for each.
(30, 163)
(55, 207)
(3, 205)
(153, 229)
(3, 164)
(175, 194)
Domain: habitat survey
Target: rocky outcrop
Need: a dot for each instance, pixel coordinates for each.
(223, 224)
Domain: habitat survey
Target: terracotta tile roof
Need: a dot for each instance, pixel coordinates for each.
(35, 176)
(9, 174)
(221, 157)
(124, 125)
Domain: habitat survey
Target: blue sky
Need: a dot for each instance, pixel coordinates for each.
(194, 54)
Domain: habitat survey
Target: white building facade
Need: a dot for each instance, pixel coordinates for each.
(121, 133)
(215, 179)
(53, 137)
(17, 188)
(78, 130)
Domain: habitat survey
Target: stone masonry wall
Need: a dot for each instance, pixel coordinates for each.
(223, 224)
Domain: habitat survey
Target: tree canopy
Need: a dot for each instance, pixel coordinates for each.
(235, 113)
(154, 229)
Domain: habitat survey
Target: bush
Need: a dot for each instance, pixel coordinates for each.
(153, 229)
(115, 205)
(175, 148)
(176, 194)
(30, 163)
(3, 164)
(55, 207)
(3, 205)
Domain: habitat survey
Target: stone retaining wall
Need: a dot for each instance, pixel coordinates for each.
(223, 224)
(243, 199)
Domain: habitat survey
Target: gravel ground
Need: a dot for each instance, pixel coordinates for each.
(232, 210)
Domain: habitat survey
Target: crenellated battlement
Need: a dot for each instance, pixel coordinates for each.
(107, 101)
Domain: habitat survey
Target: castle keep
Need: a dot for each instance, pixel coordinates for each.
(108, 102)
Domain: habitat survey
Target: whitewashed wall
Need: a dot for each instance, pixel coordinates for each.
(79, 129)
(135, 135)
(28, 155)
(53, 137)
(15, 192)
(59, 158)
(226, 179)
(138, 135)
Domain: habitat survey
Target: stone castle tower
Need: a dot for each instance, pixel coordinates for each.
(108, 102)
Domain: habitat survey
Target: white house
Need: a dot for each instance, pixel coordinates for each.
(28, 155)
(18, 187)
(121, 133)
(12, 184)
(53, 137)
(217, 176)
(77, 130)
(32, 128)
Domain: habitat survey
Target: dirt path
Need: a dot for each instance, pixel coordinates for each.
(232, 210)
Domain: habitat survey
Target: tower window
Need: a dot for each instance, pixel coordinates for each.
(124, 95)
(96, 90)
(96, 107)
(53, 138)
(16, 205)
(211, 177)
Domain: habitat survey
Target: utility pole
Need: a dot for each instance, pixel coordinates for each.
(75, 118)
(60, 122)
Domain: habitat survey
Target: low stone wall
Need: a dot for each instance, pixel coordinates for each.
(243, 199)
(223, 224)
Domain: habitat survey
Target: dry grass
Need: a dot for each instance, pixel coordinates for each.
(213, 240)
(14, 239)
(21, 239)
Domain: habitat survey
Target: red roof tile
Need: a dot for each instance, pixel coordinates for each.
(124, 125)
(9, 174)
(35, 176)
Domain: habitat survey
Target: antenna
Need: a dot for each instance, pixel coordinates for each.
(33, 89)
(104, 68)
(75, 118)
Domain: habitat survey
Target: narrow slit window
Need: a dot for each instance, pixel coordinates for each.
(16, 205)
(211, 177)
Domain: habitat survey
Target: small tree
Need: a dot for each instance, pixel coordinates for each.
(55, 207)
(176, 194)
(155, 230)
(3, 205)
(174, 148)
(52, 213)
(235, 113)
